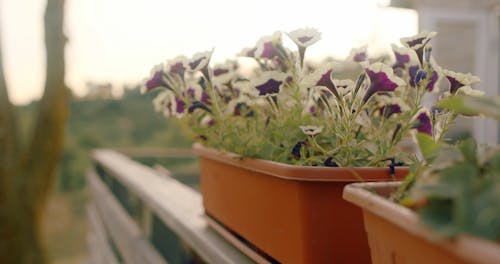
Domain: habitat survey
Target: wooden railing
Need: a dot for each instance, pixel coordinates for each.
(138, 214)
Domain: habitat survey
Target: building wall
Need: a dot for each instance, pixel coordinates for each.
(468, 41)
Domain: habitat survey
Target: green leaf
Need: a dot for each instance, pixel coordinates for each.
(438, 215)
(468, 148)
(426, 145)
(472, 105)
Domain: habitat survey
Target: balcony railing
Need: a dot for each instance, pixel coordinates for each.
(138, 214)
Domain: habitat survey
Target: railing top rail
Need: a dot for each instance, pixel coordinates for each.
(156, 152)
(177, 205)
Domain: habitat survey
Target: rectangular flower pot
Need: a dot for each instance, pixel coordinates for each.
(291, 214)
(395, 234)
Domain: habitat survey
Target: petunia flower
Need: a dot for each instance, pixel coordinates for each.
(155, 80)
(269, 82)
(382, 79)
(418, 42)
(458, 80)
(296, 150)
(433, 80)
(224, 72)
(176, 65)
(330, 163)
(404, 57)
(194, 92)
(304, 37)
(267, 46)
(344, 86)
(321, 77)
(391, 106)
(423, 123)
(199, 61)
(179, 107)
(159, 102)
(467, 90)
(358, 54)
(169, 104)
(311, 130)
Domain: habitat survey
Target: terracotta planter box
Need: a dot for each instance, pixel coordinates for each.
(294, 214)
(396, 236)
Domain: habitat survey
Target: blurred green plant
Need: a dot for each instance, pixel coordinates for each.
(109, 123)
(456, 188)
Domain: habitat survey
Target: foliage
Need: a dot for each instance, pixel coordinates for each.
(456, 188)
(106, 123)
(458, 191)
(295, 112)
(473, 105)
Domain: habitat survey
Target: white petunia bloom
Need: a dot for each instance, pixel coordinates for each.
(418, 41)
(199, 61)
(311, 130)
(304, 37)
(467, 90)
(266, 46)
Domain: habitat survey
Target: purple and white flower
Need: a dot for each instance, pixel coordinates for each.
(418, 42)
(423, 122)
(199, 61)
(469, 91)
(404, 57)
(176, 65)
(311, 130)
(304, 37)
(391, 105)
(269, 82)
(358, 54)
(459, 80)
(382, 79)
(321, 77)
(224, 72)
(267, 46)
(155, 80)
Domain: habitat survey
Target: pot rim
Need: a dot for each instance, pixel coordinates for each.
(470, 248)
(302, 173)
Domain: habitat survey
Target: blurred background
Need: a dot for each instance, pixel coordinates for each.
(113, 44)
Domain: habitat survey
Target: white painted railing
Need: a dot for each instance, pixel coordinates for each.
(140, 215)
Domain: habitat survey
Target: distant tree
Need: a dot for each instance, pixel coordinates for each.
(27, 173)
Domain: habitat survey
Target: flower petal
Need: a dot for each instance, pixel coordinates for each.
(311, 130)
(267, 46)
(155, 80)
(404, 57)
(199, 61)
(305, 37)
(176, 65)
(423, 123)
(418, 41)
(358, 54)
(458, 80)
(382, 79)
(269, 82)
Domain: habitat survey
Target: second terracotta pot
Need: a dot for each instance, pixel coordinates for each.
(396, 235)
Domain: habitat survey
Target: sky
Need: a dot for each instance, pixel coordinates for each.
(119, 41)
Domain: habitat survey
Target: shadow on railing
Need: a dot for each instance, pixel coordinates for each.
(141, 214)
